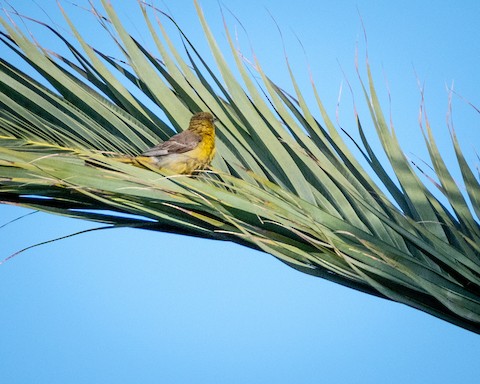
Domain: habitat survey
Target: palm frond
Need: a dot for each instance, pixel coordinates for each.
(281, 182)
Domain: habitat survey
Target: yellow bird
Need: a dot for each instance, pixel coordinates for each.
(185, 152)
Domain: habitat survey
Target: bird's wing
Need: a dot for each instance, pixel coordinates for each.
(181, 142)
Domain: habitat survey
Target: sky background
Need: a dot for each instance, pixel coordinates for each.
(129, 306)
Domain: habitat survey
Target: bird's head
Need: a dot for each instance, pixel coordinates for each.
(202, 122)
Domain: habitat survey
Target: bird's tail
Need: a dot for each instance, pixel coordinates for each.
(120, 158)
(138, 161)
(126, 159)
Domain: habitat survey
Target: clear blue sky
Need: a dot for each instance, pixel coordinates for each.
(129, 306)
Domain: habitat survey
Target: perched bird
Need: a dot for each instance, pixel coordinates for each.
(185, 152)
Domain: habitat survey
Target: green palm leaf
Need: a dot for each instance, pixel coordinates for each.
(280, 183)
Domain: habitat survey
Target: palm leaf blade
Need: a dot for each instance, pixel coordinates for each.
(281, 183)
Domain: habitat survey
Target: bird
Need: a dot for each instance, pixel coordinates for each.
(184, 153)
